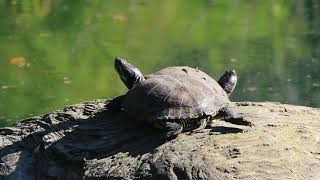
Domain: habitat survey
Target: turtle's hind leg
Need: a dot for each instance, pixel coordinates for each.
(231, 117)
(171, 129)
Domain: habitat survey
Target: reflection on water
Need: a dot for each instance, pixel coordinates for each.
(58, 52)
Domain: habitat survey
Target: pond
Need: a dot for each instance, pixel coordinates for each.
(57, 52)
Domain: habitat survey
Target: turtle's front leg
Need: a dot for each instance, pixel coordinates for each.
(231, 117)
(202, 125)
(116, 103)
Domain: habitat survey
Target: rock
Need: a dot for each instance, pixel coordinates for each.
(87, 141)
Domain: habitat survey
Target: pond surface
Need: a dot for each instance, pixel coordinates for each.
(57, 52)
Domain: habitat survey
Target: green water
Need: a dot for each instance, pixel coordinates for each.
(57, 52)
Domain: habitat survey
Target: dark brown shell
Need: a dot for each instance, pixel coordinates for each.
(169, 94)
(198, 75)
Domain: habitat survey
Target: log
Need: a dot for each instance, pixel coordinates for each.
(87, 141)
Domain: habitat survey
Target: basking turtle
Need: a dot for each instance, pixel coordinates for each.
(175, 99)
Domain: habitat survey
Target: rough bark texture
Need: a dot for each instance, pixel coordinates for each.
(87, 141)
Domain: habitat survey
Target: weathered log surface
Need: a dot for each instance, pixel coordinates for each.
(87, 141)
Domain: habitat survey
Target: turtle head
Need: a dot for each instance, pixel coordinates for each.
(228, 81)
(129, 74)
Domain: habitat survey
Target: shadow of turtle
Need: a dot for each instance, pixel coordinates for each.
(225, 130)
(57, 145)
(104, 135)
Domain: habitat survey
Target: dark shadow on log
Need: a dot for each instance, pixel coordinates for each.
(226, 130)
(60, 138)
(104, 135)
(57, 145)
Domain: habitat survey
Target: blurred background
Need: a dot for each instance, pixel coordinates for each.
(59, 52)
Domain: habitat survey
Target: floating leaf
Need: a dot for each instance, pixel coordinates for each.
(66, 80)
(119, 17)
(316, 84)
(252, 88)
(8, 86)
(19, 61)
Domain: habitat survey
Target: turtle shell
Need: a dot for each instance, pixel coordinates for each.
(170, 95)
(198, 75)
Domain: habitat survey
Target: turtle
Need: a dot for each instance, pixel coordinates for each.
(175, 99)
